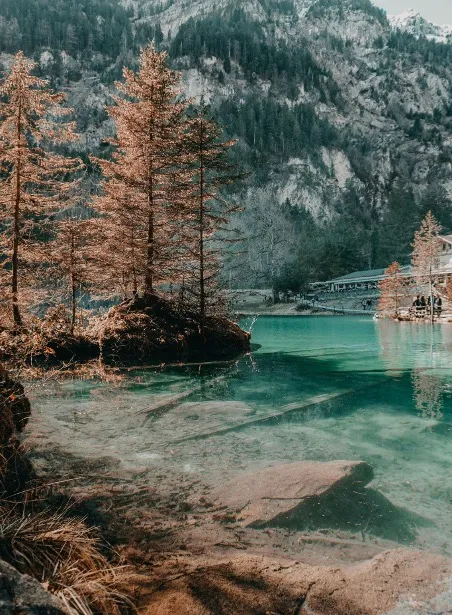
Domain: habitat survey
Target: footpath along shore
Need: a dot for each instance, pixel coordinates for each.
(293, 309)
(253, 302)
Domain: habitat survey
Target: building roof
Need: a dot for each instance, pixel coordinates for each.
(368, 274)
(447, 238)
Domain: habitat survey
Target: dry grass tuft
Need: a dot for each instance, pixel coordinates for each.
(64, 554)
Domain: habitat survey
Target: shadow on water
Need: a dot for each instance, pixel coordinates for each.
(255, 347)
(385, 363)
(367, 511)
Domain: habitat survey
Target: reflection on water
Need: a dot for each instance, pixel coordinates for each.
(426, 350)
(315, 388)
(428, 395)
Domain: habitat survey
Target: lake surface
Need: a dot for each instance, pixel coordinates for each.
(314, 388)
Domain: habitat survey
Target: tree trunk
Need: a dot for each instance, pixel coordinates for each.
(432, 305)
(73, 287)
(134, 269)
(16, 229)
(149, 277)
(149, 281)
(202, 290)
(74, 305)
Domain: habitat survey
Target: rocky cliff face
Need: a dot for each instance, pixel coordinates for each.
(336, 107)
(375, 79)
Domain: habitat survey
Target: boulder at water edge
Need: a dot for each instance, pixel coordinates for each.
(285, 493)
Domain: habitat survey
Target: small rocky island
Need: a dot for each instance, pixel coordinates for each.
(147, 330)
(152, 330)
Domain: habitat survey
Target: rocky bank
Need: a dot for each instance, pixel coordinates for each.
(22, 595)
(15, 469)
(250, 585)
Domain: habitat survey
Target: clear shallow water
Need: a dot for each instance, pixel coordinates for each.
(327, 387)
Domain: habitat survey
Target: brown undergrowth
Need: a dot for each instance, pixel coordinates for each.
(66, 555)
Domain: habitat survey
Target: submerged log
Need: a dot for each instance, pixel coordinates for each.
(284, 411)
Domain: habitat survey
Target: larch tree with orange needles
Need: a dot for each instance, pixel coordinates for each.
(33, 178)
(426, 255)
(209, 210)
(119, 254)
(393, 290)
(146, 179)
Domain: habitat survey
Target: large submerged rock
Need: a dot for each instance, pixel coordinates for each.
(248, 585)
(15, 468)
(22, 595)
(284, 493)
(151, 329)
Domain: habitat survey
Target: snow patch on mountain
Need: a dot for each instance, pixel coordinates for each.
(414, 23)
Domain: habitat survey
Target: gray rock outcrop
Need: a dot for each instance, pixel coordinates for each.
(22, 595)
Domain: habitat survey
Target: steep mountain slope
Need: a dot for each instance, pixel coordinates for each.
(342, 116)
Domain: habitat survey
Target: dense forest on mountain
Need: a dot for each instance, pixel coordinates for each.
(343, 123)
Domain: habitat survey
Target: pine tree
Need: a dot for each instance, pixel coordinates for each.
(144, 182)
(33, 179)
(209, 210)
(393, 289)
(425, 257)
(399, 224)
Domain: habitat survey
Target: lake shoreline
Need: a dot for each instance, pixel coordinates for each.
(240, 315)
(147, 455)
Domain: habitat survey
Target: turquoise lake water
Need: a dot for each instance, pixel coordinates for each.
(314, 388)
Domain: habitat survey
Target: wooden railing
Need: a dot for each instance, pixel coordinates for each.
(422, 312)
